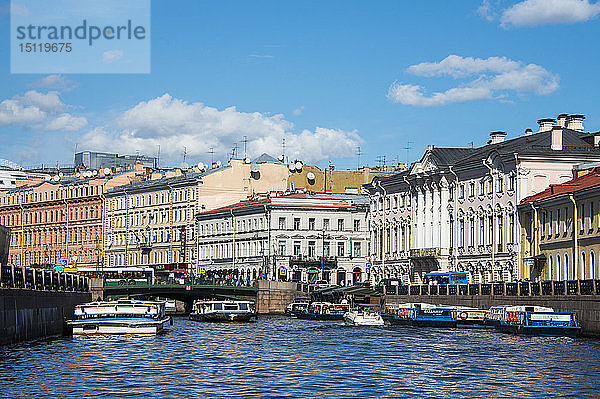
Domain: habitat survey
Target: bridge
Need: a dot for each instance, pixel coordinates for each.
(186, 292)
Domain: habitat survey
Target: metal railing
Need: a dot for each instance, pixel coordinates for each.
(41, 279)
(193, 281)
(521, 288)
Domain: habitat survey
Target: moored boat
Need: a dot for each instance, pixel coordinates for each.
(421, 315)
(295, 308)
(119, 317)
(324, 311)
(469, 317)
(363, 316)
(534, 320)
(222, 311)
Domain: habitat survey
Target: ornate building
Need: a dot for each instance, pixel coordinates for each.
(455, 209)
(561, 230)
(299, 237)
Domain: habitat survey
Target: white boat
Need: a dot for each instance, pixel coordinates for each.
(222, 311)
(119, 317)
(363, 317)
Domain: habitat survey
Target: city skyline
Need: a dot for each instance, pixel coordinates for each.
(226, 73)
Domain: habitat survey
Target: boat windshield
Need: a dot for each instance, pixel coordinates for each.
(243, 306)
(231, 306)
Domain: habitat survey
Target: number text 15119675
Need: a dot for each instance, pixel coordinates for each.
(45, 47)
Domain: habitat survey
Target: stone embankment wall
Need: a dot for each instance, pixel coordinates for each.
(27, 315)
(273, 296)
(587, 307)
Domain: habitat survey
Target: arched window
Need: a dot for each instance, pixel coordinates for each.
(566, 266)
(592, 266)
(558, 267)
(583, 274)
(550, 267)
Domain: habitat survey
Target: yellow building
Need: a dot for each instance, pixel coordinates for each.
(561, 230)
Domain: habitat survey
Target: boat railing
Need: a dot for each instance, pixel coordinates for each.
(41, 279)
(520, 288)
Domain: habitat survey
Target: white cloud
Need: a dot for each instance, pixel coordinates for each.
(539, 12)
(108, 57)
(173, 123)
(489, 78)
(41, 111)
(298, 111)
(66, 122)
(54, 82)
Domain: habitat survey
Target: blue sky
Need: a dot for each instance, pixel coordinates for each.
(326, 76)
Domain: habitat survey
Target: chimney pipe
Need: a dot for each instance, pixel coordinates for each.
(497, 137)
(575, 122)
(528, 132)
(562, 120)
(557, 136)
(546, 124)
(430, 147)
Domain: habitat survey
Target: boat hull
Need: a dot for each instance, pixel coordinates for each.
(222, 317)
(119, 327)
(543, 331)
(313, 316)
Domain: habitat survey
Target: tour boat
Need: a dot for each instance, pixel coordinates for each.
(469, 317)
(223, 311)
(295, 308)
(324, 311)
(363, 317)
(537, 320)
(421, 315)
(119, 317)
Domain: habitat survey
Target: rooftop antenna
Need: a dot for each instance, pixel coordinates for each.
(211, 151)
(408, 148)
(381, 160)
(472, 144)
(358, 157)
(234, 150)
(245, 141)
(283, 149)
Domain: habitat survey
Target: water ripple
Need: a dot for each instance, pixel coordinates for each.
(279, 357)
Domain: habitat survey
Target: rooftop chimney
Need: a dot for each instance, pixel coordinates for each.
(557, 136)
(575, 122)
(528, 132)
(562, 120)
(430, 147)
(546, 124)
(497, 137)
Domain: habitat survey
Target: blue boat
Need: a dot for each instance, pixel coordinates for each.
(533, 320)
(421, 315)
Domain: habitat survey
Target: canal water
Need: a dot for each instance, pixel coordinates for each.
(281, 357)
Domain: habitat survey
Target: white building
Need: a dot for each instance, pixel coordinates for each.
(298, 237)
(455, 209)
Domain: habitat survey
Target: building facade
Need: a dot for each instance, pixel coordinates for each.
(298, 237)
(456, 209)
(98, 160)
(58, 220)
(561, 230)
(152, 223)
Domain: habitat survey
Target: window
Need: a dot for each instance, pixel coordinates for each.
(461, 191)
(325, 224)
(296, 248)
(472, 189)
(311, 223)
(592, 269)
(451, 193)
(357, 225)
(550, 225)
(591, 215)
(500, 239)
(543, 224)
(281, 223)
(340, 224)
(326, 248)
(472, 235)
(395, 202)
(500, 184)
(490, 229)
(481, 230)
(511, 183)
(582, 217)
(340, 248)
(511, 228)
(482, 187)
(356, 250)
(550, 266)
(312, 251)
(296, 223)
